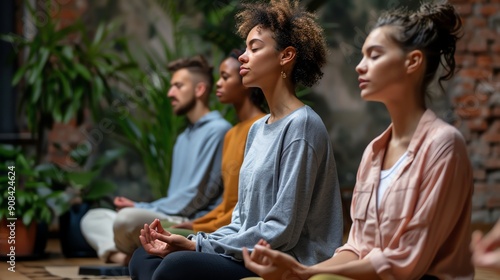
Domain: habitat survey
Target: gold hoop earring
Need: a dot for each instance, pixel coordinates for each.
(283, 74)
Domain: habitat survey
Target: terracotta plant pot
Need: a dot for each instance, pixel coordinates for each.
(17, 239)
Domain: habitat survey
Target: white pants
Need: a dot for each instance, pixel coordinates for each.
(108, 231)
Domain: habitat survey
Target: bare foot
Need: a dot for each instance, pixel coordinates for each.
(118, 258)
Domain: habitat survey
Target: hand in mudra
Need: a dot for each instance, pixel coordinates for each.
(272, 264)
(157, 241)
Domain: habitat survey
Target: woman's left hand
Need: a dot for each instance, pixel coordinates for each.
(272, 264)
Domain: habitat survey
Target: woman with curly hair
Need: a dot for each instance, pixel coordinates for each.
(411, 204)
(249, 105)
(288, 188)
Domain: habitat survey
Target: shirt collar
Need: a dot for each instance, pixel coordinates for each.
(212, 115)
(381, 142)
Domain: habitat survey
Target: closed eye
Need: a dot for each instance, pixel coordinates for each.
(374, 51)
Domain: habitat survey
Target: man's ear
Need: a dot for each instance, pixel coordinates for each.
(414, 61)
(200, 89)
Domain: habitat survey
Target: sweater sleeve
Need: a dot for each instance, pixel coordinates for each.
(285, 219)
(213, 220)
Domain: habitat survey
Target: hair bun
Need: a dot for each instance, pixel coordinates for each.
(434, 29)
(443, 15)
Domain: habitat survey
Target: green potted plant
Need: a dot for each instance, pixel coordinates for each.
(25, 204)
(64, 71)
(82, 188)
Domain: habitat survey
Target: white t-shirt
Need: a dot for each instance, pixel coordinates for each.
(386, 177)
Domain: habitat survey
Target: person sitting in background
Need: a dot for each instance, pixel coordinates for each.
(195, 182)
(288, 187)
(412, 201)
(486, 248)
(248, 103)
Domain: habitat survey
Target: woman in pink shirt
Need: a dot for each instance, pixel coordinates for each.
(412, 200)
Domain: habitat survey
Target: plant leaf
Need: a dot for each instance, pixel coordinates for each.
(81, 179)
(8, 151)
(28, 216)
(19, 74)
(37, 91)
(99, 34)
(106, 158)
(83, 71)
(99, 189)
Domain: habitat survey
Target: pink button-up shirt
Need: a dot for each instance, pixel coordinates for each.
(422, 225)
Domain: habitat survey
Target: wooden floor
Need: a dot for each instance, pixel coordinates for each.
(35, 269)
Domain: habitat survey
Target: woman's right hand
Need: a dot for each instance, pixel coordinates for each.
(272, 264)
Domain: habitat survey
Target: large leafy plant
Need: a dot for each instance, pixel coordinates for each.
(144, 117)
(26, 196)
(140, 108)
(83, 182)
(64, 71)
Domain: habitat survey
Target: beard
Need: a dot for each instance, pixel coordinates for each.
(183, 109)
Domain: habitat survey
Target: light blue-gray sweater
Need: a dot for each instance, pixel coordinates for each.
(288, 192)
(195, 182)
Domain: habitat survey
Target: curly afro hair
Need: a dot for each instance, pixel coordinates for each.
(292, 26)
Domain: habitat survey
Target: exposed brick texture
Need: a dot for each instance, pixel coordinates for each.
(476, 100)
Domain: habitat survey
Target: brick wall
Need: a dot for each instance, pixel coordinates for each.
(71, 10)
(476, 99)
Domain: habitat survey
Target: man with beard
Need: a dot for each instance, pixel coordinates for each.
(195, 184)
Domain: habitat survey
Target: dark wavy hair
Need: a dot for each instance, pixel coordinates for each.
(434, 29)
(292, 26)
